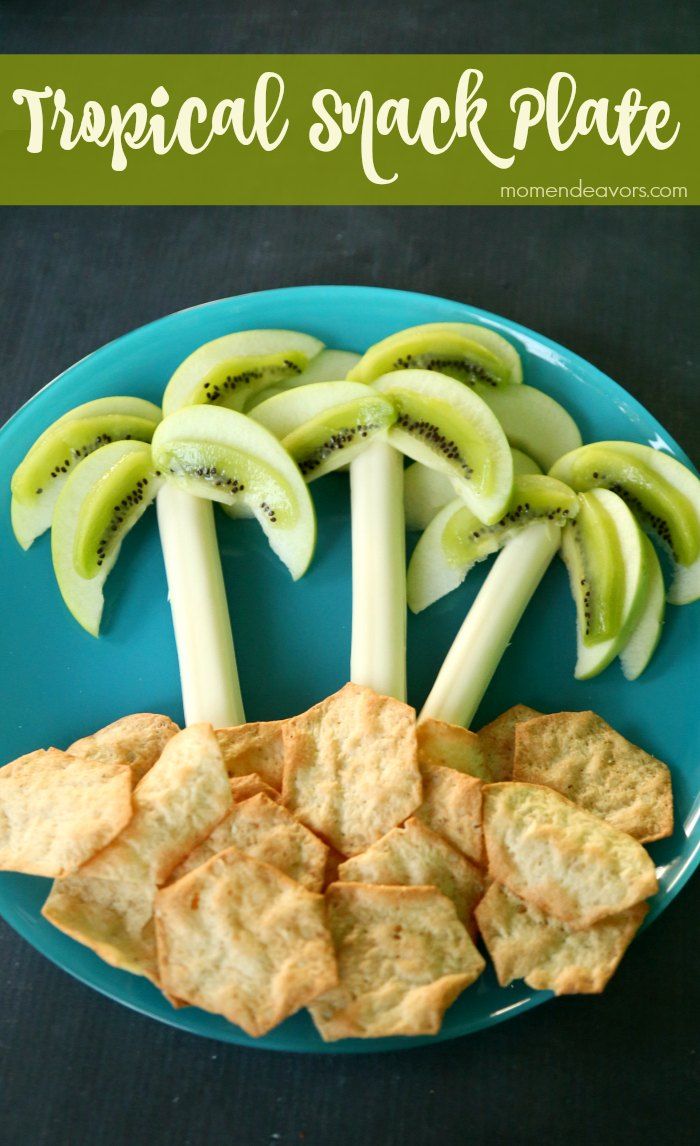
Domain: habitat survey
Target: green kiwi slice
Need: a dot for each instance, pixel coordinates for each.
(446, 426)
(470, 354)
(662, 493)
(426, 491)
(229, 371)
(227, 457)
(603, 549)
(598, 560)
(91, 520)
(456, 540)
(39, 478)
(325, 425)
(533, 422)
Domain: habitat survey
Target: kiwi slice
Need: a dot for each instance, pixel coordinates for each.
(456, 540)
(533, 422)
(327, 366)
(100, 502)
(426, 491)
(325, 425)
(640, 647)
(470, 354)
(445, 425)
(662, 493)
(609, 575)
(229, 371)
(39, 478)
(227, 457)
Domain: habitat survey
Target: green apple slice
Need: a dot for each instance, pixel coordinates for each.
(325, 425)
(328, 366)
(225, 456)
(461, 350)
(87, 506)
(229, 371)
(663, 494)
(640, 647)
(608, 572)
(426, 491)
(445, 425)
(39, 478)
(456, 540)
(533, 422)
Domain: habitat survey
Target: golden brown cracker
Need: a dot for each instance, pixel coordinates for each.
(350, 767)
(524, 943)
(105, 905)
(586, 760)
(136, 740)
(451, 747)
(56, 811)
(567, 862)
(403, 958)
(256, 748)
(452, 808)
(264, 830)
(239, 938)
(413, 855)
(498, 740)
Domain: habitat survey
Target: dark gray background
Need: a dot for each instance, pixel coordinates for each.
(619, 286)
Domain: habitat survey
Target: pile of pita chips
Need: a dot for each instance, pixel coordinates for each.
(344, 860)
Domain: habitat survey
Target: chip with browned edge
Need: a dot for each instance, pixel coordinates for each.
(413, 855)
(243, 787)
(452, 808)
(567, 862)
(581, 756)
(451, 747)
(254, 748)
(241, 939)
(136, 740)
(498, 740)
(264, 830)
(524, 943)
(350, 771)
(403, 958)
(57, 810)
(108, 904)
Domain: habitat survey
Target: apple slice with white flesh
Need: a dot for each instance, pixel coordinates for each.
(533, 422)
(40, 477)
(456, 540)
(328, 366)
(609, 576)
(662, 493)
(100, 502)
(640, 647)
(231, 370)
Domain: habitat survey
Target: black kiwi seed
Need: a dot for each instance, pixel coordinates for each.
(474, 371)
(433, 437)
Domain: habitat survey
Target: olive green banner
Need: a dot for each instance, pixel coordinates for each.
(484, 129)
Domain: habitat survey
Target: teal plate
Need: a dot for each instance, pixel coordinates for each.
(293, 640)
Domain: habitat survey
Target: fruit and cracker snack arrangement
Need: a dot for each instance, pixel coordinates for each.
(359, 859)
